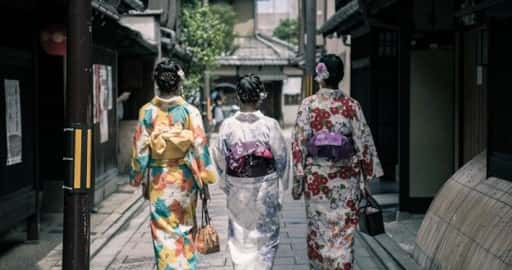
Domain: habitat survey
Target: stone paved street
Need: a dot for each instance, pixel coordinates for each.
(131, 248)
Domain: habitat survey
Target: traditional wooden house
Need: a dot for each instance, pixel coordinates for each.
(273, 60)
(421, 69)
(431, 75)
(32, 100)
(20, 186)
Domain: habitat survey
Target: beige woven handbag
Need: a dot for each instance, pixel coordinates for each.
(207, 238)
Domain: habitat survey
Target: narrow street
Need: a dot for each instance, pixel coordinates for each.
(131, 248)
(407, 94)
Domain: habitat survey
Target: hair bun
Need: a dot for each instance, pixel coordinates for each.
(250, 89)
(168, 75)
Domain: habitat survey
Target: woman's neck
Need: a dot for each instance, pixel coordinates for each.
(248, 107)
(167, 95)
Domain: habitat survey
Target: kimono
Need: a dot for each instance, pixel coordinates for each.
(253, 203)
(332, 189)
(170, 142)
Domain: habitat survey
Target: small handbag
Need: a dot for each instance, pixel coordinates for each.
(371, 220)
(206, 238)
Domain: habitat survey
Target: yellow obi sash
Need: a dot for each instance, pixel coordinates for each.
(170, 143)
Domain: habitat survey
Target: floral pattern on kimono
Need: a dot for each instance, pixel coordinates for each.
(173, 182)
(253, 203)
(332, 189)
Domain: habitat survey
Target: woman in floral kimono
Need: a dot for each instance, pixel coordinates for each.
(333, 150)
(251, 154)
(170, 142)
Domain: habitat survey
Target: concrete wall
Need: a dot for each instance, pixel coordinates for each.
(431, 123)
(468, 225)
(271, 13)
(245, 10)
(334, 45)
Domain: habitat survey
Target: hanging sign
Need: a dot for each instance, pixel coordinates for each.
(13, 122)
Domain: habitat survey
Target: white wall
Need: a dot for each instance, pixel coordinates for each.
(146, 25)
(292, 85)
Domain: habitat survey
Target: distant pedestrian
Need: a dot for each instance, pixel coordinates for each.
(333, 150)
(218, 112)
(252, 155)
(121, 100)
(170, 142)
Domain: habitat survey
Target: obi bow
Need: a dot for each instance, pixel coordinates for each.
(171, 142)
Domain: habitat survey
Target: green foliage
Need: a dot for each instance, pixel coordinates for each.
(208, 33)
(288, 30)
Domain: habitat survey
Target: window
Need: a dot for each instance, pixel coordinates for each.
(292, 99)
(388, 43)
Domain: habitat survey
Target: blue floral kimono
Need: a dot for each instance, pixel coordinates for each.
(253, 202)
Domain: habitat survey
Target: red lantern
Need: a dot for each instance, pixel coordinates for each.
(53, 40)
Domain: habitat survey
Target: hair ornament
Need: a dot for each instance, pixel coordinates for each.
(322, 73)
(181, 73)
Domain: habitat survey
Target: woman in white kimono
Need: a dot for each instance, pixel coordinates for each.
(252, 156)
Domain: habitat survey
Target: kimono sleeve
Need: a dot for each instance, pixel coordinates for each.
(219, 152)
(299, 148)
(202, 165)
(365, 146)
(140, 147)
(281, 154)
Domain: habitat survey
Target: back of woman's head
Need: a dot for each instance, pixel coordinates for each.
(334, 72)
(250, 89)
(168, 75)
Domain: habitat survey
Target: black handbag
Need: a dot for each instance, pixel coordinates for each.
(371, 220)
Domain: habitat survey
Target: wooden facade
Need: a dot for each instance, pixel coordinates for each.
(19, 182)
(433, 123)
(25, 186)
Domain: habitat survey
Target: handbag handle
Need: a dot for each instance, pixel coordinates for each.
(205, 215)
(370, 200)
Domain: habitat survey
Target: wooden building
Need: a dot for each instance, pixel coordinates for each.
(272, 59)
(430, 76)
(33, 105)
(20, 186)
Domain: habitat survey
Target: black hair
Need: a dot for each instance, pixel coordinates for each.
(250, 89)
(336, 69)
(166, 76)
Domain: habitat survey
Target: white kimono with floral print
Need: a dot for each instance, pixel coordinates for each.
(332, 190)
(253, 203)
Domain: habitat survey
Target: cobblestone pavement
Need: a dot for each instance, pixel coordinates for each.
(131, 248)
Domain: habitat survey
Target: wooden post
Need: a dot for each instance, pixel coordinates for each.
(310, 52)
(79, 138)
(404, 87)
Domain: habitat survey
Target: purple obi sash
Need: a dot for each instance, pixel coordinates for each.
(250, 159)
(331, 145)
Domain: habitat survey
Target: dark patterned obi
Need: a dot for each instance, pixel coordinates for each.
(250, 159)
(331, 145)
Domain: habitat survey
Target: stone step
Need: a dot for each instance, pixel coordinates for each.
(387, 200)
(403, 258)
(379, 252)
(388, 252)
